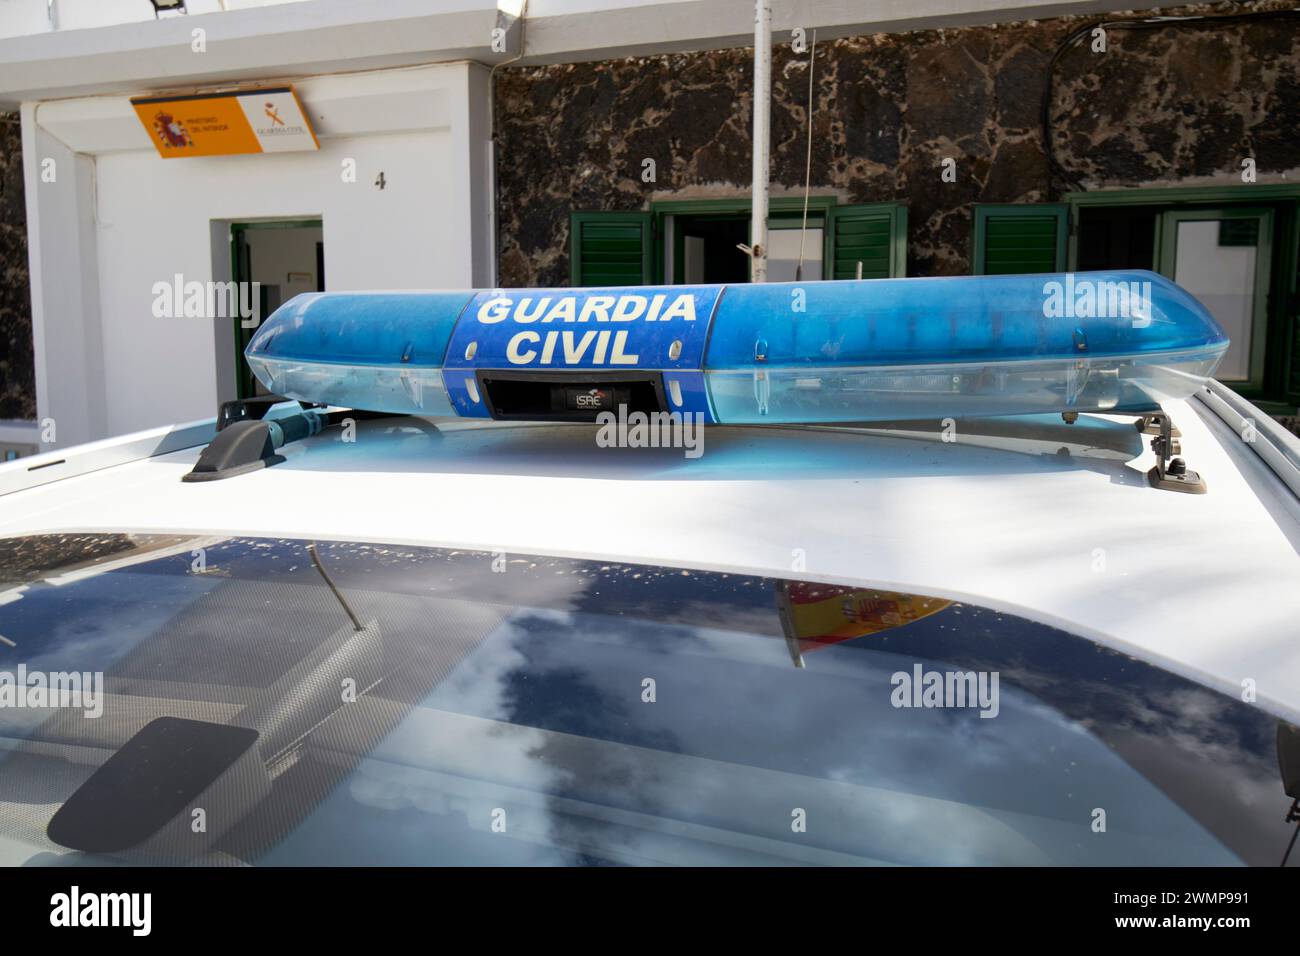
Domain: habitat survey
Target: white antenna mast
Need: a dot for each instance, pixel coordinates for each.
(807, 169)
(762, 145)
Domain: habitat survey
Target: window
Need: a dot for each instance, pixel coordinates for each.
(695, 241)
(705, 248)
(473, 696)
(1018, 239)
(788, 241)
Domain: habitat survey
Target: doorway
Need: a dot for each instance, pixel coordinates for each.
(705, 249)
(285, 258)
(1222, 254)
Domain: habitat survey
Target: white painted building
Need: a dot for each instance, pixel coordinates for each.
(401, 87)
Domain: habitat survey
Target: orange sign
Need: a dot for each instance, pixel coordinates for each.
(226, 124)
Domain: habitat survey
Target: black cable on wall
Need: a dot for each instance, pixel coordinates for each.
(1056, 173)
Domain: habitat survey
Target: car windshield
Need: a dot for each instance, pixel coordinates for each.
(238, 700)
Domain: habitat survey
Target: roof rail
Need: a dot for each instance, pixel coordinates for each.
(35, 470)
(1277, 447)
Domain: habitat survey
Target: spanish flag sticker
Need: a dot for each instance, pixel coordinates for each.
(816, 615)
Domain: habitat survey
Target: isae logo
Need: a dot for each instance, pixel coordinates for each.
(77, 909)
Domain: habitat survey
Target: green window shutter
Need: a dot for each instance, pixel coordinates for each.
(1012, 240)
(610, 248)
(874, 235)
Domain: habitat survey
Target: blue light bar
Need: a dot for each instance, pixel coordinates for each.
(380, 351)
(788, 352)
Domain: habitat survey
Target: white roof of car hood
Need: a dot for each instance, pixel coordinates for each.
(1207, 586)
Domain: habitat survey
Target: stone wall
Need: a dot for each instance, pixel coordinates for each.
(17, 371)
(1175, 105)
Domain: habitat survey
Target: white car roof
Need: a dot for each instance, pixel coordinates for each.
(1205, 586)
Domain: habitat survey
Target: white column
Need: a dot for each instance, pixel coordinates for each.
(64, 273)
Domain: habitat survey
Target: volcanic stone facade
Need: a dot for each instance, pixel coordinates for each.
(17, 372)
(1181, 104)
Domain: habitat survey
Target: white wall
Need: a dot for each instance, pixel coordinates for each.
(100, 252)
(154, 222)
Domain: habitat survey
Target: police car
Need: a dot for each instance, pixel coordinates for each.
(925, 571)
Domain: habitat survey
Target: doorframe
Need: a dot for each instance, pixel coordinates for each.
(1209, 196)
(1166, 258)
(238, 228)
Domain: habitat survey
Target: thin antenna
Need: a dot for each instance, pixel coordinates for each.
(807, 172)
(315, 559)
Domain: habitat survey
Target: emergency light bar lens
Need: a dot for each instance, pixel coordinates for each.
(959, 346)
(832, 394)
(378, 351)
(790, 352)
(417, 391)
